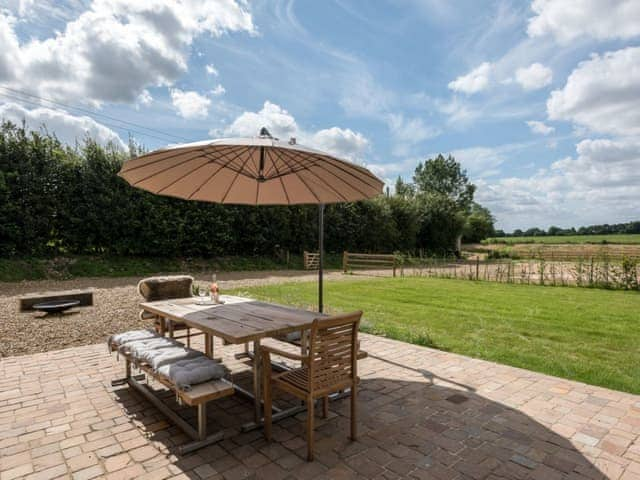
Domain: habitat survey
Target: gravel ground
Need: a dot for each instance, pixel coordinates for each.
(115, 309)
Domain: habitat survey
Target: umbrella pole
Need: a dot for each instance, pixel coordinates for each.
(321, 255)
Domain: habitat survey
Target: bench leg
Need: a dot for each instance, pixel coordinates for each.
(202, 421)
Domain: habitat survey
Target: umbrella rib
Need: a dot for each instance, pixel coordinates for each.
(301, 179)
(339, 178)
(337, 164)
(234, 179)
(308, 169)
(182, 176)
(216, 172)
(353, 165)
(279, 176)
(166, 169)
(155, 160)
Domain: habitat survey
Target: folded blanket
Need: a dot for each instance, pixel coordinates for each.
(118, 339)
(163, 356)
(186, 373)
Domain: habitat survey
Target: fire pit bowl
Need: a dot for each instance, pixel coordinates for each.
(56, 306)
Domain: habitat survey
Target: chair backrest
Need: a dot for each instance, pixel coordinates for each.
(165, 288)
(333, 350)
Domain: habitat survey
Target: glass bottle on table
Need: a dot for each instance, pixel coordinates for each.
(215, 294)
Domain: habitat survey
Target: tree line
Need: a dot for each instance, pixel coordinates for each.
(57, 199)
(604, 229)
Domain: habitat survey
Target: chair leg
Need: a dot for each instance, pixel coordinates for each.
(266, 397)
(354, 407)
(325, 407)
(310, 422)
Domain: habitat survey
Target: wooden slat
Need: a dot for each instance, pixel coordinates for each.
(239, 320)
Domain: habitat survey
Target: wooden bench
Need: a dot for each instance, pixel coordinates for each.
(26, 302)
(198, 396)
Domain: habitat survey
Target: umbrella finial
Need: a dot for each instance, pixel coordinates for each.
(265, 133)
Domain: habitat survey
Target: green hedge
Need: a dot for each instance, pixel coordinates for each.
(57, 200)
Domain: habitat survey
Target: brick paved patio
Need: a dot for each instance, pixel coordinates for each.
(424, 414)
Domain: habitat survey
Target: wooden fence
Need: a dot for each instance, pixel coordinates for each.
(576, 252)
(589, 273)
(311, 260)
(368, 261)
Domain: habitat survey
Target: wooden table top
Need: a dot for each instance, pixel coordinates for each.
(238, 320)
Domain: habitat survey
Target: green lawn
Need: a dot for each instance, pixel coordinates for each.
(578, 239)
(577, 333)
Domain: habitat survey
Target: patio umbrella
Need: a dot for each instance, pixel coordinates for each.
(253, 171)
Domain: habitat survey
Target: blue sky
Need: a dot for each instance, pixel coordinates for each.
(539, 100)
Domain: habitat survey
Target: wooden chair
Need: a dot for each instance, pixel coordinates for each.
(329, 366)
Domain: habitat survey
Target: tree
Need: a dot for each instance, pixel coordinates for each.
(446, 177)
(479, 224)
(445, 197)
(405, 190)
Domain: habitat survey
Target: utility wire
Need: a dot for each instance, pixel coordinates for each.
(120, 127)
(93, 113)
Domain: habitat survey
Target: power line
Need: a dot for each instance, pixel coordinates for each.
(94, 113)
(120, 127)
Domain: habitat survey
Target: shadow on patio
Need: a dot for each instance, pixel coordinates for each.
(417, 425)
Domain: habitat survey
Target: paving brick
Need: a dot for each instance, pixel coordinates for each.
(493, 422)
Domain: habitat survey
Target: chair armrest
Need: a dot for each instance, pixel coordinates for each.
(276, 351)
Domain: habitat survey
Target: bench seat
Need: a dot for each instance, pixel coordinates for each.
(197, 396)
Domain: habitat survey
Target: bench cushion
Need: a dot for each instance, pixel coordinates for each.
(184, 374)
(118, 339)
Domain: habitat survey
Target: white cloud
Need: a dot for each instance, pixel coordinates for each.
(68, 128)
(540, 127)
(211, 70)
(218, 90)
(599, 19)
(408, 132)
(474, 81)
(534, 76)
(115, 49)
(602, 94)
(344, 143)
(276, 119)
(598, 185)
(190, 104)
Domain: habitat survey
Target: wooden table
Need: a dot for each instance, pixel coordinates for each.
(238, 321)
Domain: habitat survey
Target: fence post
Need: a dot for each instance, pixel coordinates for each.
(395, 259)
(477, 268)
(345, 257)
(305, 259)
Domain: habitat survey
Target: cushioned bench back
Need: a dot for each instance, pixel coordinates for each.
(164, 288)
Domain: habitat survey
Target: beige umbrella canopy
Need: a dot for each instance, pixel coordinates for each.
(252, 171)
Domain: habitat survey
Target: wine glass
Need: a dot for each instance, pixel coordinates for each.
(202, 292)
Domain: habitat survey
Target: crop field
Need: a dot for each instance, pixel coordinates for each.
(622, 239)
(581, 334)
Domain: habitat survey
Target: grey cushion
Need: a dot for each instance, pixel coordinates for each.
(185, 373)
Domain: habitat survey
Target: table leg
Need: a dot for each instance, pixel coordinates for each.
(256, 381)
(208, 345)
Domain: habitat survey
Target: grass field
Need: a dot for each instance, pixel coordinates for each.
(581, 334)
(623, 239)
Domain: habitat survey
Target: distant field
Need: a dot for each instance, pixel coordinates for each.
(576, 333)
(622, 239)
